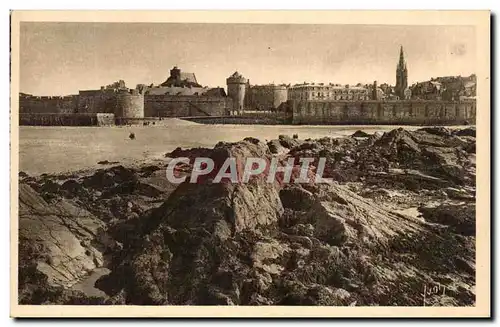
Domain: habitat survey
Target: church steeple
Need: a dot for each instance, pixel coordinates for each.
(401, 75)
(402, 63)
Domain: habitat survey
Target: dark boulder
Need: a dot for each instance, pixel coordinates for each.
(360, 133)
(296, 198)
(106, 162)
(50, 187)
(440, 131)
(72, 188)
(288, 142)
(189, 153)
(460, 218)
(275, 147)
(110, 177)
(471, 131)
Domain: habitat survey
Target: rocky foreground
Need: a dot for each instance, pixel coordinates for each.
(399, 219)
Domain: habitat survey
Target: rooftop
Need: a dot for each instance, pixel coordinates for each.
(330, 86)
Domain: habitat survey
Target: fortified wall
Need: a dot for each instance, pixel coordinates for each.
(64, 119)
(265, 97)
(382, 112)
(97, 101)
(45, 104)
(130, 105)
(127, 107)
(184, 106)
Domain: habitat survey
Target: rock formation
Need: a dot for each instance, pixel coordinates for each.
(345, 243)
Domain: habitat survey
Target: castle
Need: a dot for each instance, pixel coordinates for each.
(179, 96)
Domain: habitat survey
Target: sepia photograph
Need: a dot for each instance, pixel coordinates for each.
(245, 163)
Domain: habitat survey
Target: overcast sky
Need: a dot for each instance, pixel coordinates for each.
(62, 58)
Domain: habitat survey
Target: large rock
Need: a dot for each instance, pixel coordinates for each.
(112, 177)
(399, 142)
(471, 131)
(460, 217)
(360, 133)
(276, 148)
(191, 234)
(341, 216)
(437, 130)
(242, 205)
(66, 232)
(288, 142)
(331, 227)
(189, 153)
(296, 198)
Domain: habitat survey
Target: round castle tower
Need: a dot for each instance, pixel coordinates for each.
(236, 86)
(280, 95)
(129, 105)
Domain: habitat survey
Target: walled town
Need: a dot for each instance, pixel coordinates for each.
(442, 100)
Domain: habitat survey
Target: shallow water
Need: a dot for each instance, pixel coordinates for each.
(64, 149)
(87, 284)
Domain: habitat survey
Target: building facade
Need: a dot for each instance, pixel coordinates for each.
(428, 90)
(308, 92)
(447, 88)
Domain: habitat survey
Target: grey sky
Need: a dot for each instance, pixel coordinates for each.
(62, 58)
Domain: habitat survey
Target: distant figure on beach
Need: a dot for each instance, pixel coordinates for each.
(132, 136)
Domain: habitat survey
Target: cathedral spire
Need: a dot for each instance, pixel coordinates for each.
(401, 75)
(401, 63)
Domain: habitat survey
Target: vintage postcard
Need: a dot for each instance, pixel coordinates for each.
(250, 164)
